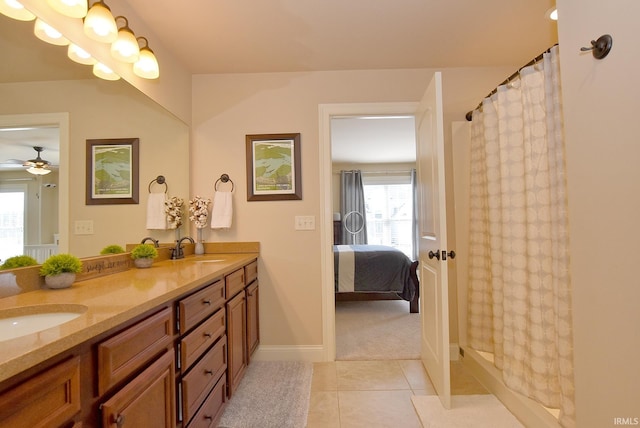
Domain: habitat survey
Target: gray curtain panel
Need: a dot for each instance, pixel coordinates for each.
(352, 208)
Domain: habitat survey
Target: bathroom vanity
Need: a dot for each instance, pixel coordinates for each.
(164, 347)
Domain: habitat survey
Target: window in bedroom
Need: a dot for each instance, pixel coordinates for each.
(389, 206)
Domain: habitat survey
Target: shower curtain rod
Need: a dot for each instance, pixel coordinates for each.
(469, 114)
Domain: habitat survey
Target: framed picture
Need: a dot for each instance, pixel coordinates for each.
(273, 167)
(112, 171)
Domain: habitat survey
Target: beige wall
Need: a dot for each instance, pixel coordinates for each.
(600, 113)
(227, 107)
(99, 109)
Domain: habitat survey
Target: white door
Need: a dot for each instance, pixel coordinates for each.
(434, 299)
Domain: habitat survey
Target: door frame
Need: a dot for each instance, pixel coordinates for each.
(61, 120)
(326, 113)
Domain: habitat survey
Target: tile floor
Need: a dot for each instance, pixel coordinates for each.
(351, 394)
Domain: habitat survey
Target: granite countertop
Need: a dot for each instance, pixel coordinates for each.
(110, 301)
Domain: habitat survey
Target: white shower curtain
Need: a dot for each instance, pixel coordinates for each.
(519, 285)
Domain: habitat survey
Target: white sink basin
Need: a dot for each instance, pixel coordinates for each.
(17, 322)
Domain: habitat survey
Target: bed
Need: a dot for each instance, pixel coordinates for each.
(375, 272)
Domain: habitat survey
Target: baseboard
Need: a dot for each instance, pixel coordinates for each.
(529, 412)
(311, 353)
(454, 352)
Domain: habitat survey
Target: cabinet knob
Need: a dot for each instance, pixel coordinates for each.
(209, 418)
(206, 302)
(118, 420)
(208, 335)
(209, 372)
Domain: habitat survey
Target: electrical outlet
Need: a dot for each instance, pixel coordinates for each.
(305, 222)
(83, 227)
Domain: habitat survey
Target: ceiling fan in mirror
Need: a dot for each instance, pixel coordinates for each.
(38, 166)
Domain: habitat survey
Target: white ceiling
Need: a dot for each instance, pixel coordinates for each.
(373, 140)
(249, 36)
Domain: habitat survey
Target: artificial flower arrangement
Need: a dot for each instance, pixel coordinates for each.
(199, 209)
(173, 209)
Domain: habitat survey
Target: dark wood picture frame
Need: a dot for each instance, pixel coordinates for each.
(118, 184)
(273, 167)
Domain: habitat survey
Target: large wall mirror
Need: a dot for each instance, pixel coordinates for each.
(52, 103)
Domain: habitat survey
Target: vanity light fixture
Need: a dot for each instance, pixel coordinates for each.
(102, 71)
(99, 23)
(38, 166)
(47, 33)
(14, 9)
(552, 14)
(147, 65)
(125, 48)
(70, 8)
(79, 55)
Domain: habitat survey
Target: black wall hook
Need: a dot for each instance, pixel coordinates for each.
(600, 48)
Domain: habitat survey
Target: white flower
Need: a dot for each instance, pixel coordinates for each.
(173, 209)
(199, 209)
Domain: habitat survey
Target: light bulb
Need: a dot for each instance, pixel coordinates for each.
(100, 25)
(79, 55)
(47, 33)
(14, 9)
(102, 71)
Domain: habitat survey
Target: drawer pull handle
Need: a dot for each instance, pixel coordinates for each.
(207, 335)
(209, 418)
(209, 372)
(119, 420)
(206, 302)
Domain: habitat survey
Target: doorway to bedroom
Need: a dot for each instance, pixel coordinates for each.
(380, 150)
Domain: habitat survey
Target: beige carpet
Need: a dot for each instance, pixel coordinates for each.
(467, 411)
(272, 394)
(377, 330)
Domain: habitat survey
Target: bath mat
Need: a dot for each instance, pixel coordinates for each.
(272, 394)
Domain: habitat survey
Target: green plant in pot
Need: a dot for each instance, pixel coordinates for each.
(112, 249)
(18, 261)
(143, 255)
(60, 270)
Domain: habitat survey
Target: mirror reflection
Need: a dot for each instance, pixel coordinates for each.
(38, 79)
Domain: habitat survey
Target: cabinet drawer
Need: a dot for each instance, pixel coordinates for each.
(196, 342)
(234, 282)
(200, 305)
(212, 409)
(50, 398)
(147, 401)
(251, 272)
(133, 348)
(197, 384)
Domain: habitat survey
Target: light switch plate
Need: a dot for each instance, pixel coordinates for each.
(83, 227)
(305, 222)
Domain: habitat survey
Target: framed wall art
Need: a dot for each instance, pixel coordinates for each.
(112, 171)
(273, 167)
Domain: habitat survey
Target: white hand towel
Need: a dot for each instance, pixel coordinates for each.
(156, 217)
(222, 210)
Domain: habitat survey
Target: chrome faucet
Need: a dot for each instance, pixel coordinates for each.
(176, 253)
(148, 238)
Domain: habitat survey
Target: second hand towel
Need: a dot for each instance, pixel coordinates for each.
(222, 211)
(156, 217)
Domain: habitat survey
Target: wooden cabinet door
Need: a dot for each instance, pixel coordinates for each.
(253, 322)
(237, 338)
(147, 401)
(51, 398)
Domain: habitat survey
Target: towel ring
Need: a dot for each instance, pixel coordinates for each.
(224, 178)
(160, 180)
